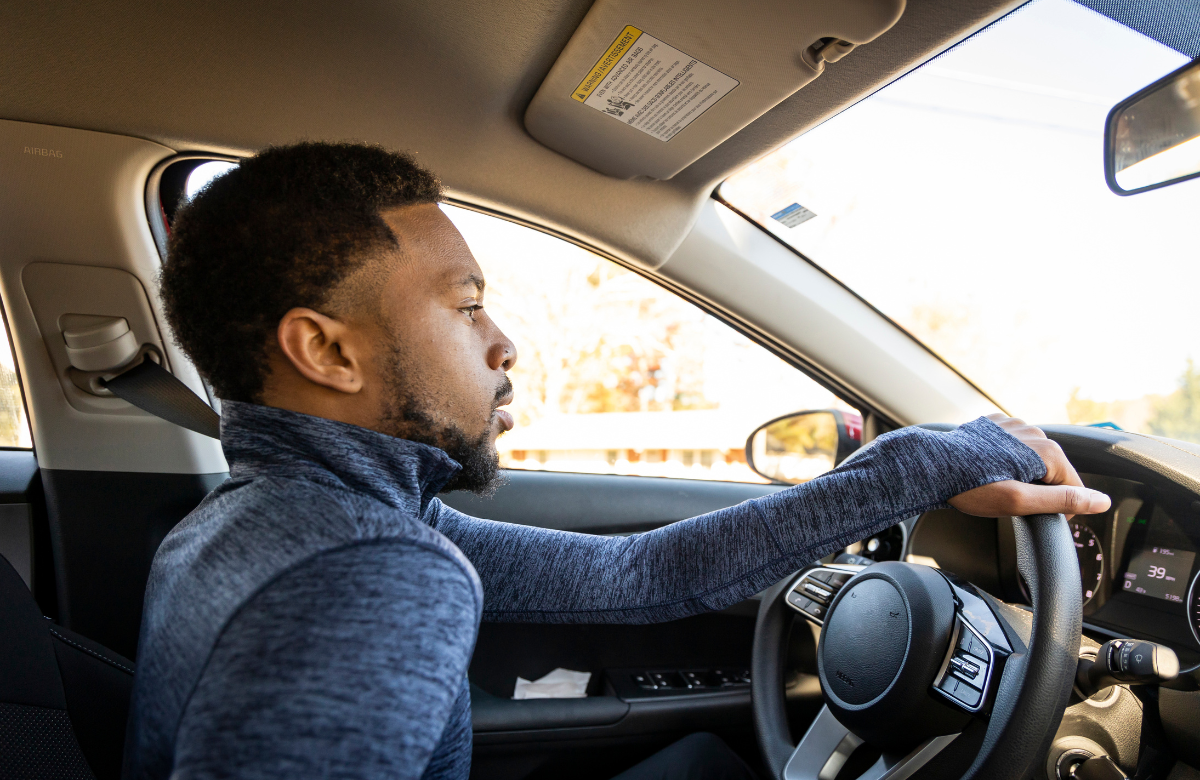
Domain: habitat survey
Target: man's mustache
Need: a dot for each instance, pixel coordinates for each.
(503, 391)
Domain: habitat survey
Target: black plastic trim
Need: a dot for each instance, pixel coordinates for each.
(492, 714)
(644, 718)
(105, 527)
(18, 472)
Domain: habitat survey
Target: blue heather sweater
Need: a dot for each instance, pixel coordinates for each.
(316, 614)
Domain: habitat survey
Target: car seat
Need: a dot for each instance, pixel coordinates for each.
(64, 699)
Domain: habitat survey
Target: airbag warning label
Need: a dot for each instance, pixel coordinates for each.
(651, 86)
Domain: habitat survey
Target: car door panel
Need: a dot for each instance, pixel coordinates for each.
(602, 503)
(604, 732)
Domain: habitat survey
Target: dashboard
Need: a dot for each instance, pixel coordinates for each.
(1138, 564)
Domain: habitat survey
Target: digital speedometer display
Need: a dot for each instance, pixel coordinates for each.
(1161, 572)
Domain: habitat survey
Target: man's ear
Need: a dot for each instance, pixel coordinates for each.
(321, 349)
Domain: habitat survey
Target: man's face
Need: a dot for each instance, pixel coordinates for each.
(442, 362)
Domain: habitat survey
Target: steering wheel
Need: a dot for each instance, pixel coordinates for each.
(930, 671)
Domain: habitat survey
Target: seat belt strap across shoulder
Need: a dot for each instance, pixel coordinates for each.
(153, 389)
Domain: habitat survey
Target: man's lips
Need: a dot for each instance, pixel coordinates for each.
(505, 418)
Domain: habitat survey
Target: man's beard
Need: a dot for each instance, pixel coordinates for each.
(408, 418)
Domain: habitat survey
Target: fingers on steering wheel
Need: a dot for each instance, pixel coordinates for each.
(1059, 470)
(1051, 499)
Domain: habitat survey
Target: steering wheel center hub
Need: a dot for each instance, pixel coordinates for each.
(866, 640)
(882, 645)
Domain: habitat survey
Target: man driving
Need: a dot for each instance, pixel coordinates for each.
(316, 614)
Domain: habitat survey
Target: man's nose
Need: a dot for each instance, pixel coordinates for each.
(503, 353)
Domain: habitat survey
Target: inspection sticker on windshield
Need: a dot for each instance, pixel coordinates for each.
(793, 215)
(651, 86)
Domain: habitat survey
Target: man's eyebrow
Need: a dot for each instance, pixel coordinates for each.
(473, 280)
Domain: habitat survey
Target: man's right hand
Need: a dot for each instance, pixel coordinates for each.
(1063, 491)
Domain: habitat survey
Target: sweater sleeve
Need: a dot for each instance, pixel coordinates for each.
(715, 560)
(349, 665)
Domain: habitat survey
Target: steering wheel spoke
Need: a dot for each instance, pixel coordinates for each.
(976, 654)
(828, 745)
(815, 589)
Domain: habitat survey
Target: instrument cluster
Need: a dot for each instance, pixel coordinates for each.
(1139, 565)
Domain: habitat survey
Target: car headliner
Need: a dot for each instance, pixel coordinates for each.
(447, 80)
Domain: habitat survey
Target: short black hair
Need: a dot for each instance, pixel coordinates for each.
(282, 229)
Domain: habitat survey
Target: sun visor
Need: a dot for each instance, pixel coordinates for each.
(647, 88)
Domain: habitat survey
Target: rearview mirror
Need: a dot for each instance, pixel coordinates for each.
(802, 446)
(1152, 138)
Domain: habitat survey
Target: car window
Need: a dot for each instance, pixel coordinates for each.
(617, 375)
(967, 201)
(14, 426)
(204, 173)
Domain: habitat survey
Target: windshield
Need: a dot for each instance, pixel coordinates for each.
(967, 202)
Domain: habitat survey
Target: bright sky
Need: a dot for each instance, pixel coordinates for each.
(968, 201)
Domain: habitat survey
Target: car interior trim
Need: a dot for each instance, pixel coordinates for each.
(98, 188)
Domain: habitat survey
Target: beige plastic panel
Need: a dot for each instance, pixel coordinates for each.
(55, 291)
(74, 240)
(762, 49)
(738, 267)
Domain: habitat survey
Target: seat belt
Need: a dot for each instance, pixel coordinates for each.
(153, 389)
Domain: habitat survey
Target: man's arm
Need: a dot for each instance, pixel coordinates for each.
(718, 559)
(347, 666)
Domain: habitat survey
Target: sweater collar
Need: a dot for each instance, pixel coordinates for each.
(263, 441)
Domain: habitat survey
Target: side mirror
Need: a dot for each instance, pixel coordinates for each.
(1152, 138)
(804, 445)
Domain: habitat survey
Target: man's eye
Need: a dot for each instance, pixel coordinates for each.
(470, 310)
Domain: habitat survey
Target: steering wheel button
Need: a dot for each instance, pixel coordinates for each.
(968, 643)
(820, 576)
(974, 680)
(949, 684)
(798, 601)
(966, 679)
(838, 579)
(815, 609)
(968, 695)
(816, 592)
